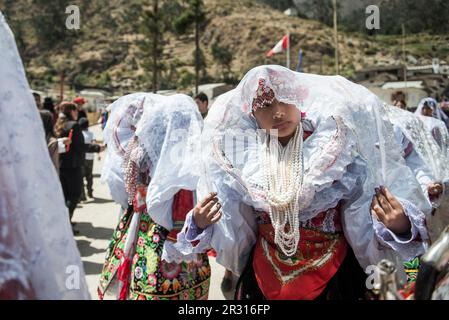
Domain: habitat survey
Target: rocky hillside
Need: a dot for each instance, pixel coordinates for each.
(105, 52)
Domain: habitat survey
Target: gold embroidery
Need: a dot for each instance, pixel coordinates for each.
(313, 265)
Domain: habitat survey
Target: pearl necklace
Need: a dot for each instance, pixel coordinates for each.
(283, 177)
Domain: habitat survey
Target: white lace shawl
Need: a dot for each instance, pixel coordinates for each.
(351, 151)
(37, 248)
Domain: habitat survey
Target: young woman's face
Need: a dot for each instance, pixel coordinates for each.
(426, 111)
(279, 116)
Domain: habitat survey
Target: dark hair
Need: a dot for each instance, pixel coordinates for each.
(36, 95)
(47, 121)
(65, 108)
(202, 97)
(84, 123)
(49, 105)
(428, 104)
(402, 101)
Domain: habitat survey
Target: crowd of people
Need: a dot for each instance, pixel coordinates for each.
(296, 183)
(71, 147)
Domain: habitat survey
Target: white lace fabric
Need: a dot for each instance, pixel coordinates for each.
(170, 134)
(437, 112)
(162, 134)
(417, 131)
(37, 248)
(120, 129)
(351, 151)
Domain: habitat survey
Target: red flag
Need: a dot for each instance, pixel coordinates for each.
(281, 46)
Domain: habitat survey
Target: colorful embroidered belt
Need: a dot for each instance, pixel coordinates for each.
(303, 276)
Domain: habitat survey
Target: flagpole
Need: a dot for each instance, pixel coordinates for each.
(404, 60)
(288, 50)
(337, 63)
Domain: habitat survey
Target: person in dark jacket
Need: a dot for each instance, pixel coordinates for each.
(72, 161)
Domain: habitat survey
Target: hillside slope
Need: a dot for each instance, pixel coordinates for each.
(106, 54)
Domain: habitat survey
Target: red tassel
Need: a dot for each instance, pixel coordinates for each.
(212, 253)
(100, 294)
(123, 275)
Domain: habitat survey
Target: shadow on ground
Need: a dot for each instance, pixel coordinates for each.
(92, 267)
(85, 248)
(97, 201)
(88, 230)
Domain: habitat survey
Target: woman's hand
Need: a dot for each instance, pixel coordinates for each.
(207, 212)
(388, 210)
(435, 189)
(66, 141)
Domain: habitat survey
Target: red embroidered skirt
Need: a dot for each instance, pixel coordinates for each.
(303, 276)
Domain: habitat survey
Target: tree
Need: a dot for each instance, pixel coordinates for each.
(152, 28)
(49, 22)
(193, 15)
(321, 10)
(224, 58)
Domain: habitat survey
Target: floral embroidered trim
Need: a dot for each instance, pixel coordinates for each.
(264, 95)
(130, 113)
(179, 293)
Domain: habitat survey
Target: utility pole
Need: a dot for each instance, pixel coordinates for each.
(197, 50)
(61, 84)
(155, 45)
(337, 63)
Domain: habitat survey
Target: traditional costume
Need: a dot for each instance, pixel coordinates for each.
(437, 112)
(425, 143)
(294, 222)
(152, 171)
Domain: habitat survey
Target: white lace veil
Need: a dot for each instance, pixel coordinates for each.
(439, 132)
(319, 97)
(232, 161)
(437, 112)
(170, 134)
(37, 247)
(168, 129)
(118, 132)
(432, 150)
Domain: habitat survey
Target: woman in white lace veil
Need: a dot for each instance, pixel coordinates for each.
(429, 141)
(435, 110)
(348, 152)
(152, 170)
(38, 255)
(118, 132)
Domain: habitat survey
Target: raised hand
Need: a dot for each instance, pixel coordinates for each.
(435, 189)
(207, 212)
(388, 210)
